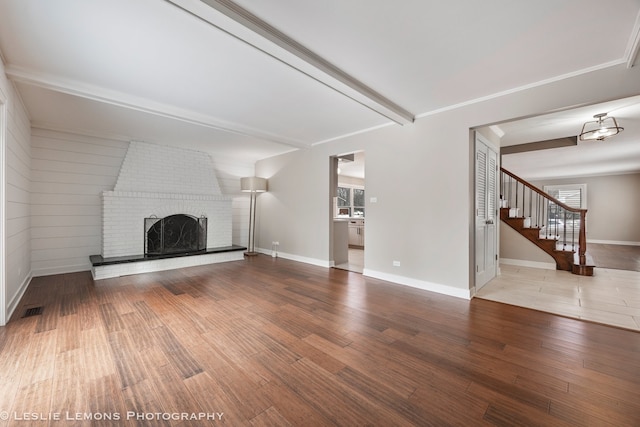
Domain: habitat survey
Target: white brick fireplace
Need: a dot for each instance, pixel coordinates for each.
(159, 181)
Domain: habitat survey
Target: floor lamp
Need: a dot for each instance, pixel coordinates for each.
(253, 185)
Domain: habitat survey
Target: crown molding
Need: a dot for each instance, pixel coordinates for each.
(120, 99)
(520, 88)
(631, 54)
(248, 28)
(497, 130)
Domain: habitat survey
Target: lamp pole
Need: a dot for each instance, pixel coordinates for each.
(252, 185)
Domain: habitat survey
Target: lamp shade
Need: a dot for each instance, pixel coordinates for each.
(253, 184)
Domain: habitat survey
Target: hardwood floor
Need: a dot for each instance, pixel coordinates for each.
(271, 342)
(619, 257)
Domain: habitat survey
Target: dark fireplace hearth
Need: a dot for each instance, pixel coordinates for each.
(175, 234)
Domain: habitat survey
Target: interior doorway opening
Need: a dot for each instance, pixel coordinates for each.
(348, 211)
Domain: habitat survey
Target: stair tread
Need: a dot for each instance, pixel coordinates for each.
(589, 260)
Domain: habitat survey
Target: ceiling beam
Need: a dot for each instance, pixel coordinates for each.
(540, 145)
(120, 99)
(247, 27)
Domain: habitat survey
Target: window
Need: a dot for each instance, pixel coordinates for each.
(358, 202)
(344, 201)
(350, 201)
(572, 195)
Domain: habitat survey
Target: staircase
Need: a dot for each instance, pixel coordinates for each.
(554, 227)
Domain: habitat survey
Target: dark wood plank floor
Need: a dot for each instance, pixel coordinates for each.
(619, 257)
(271, 342)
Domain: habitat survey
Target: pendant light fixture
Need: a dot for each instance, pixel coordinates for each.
(601, 128)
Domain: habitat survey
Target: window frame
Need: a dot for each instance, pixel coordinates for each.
(352, 207)
(582, 187)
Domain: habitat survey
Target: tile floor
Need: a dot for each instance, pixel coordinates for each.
(356, 261)
(610, 296)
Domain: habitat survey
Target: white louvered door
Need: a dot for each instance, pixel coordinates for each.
(486, 212)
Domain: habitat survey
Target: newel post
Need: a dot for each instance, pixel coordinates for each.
(582, 239)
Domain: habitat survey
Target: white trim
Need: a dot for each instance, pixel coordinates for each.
(250, 29)
(634, 44)
(419, 284)
(497, 130)
(3, 188)
(121, 99)
(306, 260)
(525, 263)
(392, 278)
(15, 301)
(520, 88)
(61, 270)
(358, 132)
(612, 242)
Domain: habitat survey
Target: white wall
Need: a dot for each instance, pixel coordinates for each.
(350, 181)
(613, 204)
(15, 197)
(612, 217)
(422, 175)
(518, 250)
(70, 172)
(229, 172)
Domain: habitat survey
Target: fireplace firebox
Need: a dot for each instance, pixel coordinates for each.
(175, 234)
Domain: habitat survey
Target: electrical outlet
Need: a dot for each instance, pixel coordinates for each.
(396, 263)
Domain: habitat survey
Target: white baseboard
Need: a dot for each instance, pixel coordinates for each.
(392, 278)
(15, 300)
(612, 242)
(525, 263)
(61, 270)
(420, 284)
(306, 260)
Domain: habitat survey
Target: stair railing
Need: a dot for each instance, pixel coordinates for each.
(555, 219)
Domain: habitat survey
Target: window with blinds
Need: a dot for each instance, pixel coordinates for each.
(572, 195)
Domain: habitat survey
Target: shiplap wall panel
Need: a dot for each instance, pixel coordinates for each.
(50, 166)
(58, 210)
(39, 187)
(53, 234)
(69, 174)
(68, 199)
(16, 195)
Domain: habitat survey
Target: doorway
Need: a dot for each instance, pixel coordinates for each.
(349, 211)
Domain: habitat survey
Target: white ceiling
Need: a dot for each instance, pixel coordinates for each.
(286, 74)
(615, 155)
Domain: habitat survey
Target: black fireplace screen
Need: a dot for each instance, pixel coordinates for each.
(175, 234)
